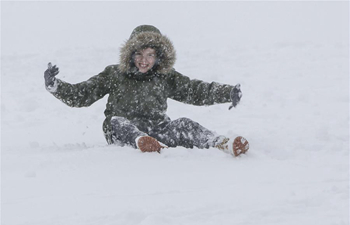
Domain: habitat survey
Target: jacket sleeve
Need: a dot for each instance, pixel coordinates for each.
(197, 92)
(85, 93)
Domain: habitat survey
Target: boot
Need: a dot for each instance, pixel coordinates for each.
(236, 147)
(148, 144)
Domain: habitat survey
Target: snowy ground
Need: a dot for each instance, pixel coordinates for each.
(292, 59)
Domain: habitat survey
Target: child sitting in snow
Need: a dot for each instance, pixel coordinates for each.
(138, 90)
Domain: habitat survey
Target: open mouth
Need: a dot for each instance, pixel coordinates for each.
(143, 66)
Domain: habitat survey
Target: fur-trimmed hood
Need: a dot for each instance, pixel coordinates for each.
(147, 36)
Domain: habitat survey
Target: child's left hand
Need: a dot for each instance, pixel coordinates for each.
(236, 95)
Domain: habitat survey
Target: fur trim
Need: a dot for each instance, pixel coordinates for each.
(164, 48)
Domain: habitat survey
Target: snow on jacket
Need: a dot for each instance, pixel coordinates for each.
(139, 97)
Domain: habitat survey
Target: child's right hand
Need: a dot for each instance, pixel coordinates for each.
(49, 74)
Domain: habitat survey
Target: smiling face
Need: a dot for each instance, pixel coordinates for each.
(145, 59)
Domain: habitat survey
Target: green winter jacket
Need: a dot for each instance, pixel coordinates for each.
(141, 98)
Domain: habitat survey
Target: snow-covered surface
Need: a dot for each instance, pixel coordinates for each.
(292, 60)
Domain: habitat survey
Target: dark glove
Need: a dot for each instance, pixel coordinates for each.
(50, 74)
(235, 95)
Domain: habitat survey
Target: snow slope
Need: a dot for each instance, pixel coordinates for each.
(292, 60)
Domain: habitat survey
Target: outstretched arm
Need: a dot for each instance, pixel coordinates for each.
(77, 95)
(197, 92)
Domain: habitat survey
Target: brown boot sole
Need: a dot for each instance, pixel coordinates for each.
(149, 144)
(240, 146)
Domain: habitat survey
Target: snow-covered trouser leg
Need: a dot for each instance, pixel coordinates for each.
(187, 133)
(122, 132)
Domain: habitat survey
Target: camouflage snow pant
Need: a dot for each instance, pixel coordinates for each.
(181, 132)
